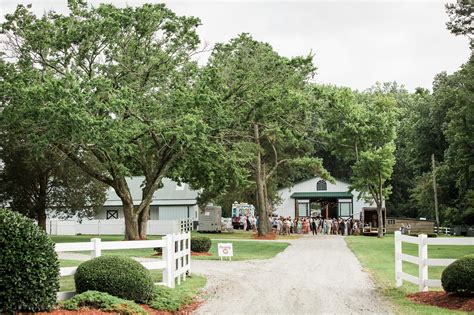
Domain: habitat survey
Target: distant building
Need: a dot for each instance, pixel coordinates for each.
(172, 201)
(170, 205)
(318, 197)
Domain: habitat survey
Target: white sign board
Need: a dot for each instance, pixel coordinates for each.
(225, 250)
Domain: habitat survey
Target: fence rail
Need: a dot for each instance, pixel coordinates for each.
(442, 230)
(422, 260)
(115, 227)
(175, 262)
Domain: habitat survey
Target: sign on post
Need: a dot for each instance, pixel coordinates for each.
(225, 250)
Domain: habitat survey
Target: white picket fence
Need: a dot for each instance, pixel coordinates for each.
(175, 262)
(422, 280)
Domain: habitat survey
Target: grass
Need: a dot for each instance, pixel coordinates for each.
(243, 250)
(248, 250)
(378, 258)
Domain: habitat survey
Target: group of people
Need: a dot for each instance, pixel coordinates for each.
(334, 226)
(249, 222)
(405, 229)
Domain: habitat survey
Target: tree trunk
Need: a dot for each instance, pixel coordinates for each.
(380, 221)
(262, 211)
(143, 218)
(265, 198)
(131, 221)
(42, 201)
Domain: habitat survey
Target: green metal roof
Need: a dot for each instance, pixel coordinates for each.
(321, 194)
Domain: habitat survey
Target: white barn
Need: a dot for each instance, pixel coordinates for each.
(171, 202)
(171, 205)
(316, 195)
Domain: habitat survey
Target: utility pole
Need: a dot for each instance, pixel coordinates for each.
(435, 192)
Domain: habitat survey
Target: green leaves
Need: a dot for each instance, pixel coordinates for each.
(29, 266)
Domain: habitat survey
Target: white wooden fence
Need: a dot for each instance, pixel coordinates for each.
(175, 262)
(442, 230)
(422, 280)
(115, 227)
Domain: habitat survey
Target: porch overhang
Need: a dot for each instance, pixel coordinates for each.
(321, 195)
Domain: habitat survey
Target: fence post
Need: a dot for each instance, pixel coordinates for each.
(189, 253)
(96, 252)
(398, 259)
(422, 266)
(168, 257)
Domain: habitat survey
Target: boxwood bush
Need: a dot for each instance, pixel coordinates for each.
(200, 244)
(29, 267)
(458, 278)
(117, 275)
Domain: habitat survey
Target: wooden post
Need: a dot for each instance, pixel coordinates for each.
(327, 211)
(422, 266)
(398, 259)
(96, 252)
(168, 257)
(435, 192)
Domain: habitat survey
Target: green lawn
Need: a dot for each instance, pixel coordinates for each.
(378, 258)
(243, 250)
(248, 250)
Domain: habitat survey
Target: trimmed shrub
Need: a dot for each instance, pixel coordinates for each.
(200, 244)
(117, 275)
(104, 302)
(458, 278)
(29, 267)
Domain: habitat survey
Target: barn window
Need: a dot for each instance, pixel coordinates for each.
(111, 214)
(321, 185)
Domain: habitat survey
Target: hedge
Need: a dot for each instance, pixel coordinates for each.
(29, 267)
(458, 277)
(200, 244)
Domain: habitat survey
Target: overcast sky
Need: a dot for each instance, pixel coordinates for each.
(355, 43)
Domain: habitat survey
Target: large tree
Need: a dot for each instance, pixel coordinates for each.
(112, 89)
(361, 129)
(265, 94)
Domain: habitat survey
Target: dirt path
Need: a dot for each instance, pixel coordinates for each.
(314, 275)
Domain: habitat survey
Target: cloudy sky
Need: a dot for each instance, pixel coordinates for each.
(355, 43)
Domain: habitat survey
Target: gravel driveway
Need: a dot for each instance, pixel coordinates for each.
(314, 275)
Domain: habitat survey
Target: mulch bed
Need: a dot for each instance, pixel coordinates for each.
(442, 299)
(269, 236)
(188, 309)
(82, 311)
(200, 254)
